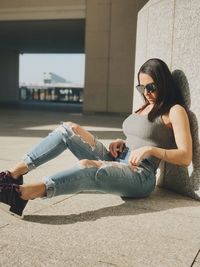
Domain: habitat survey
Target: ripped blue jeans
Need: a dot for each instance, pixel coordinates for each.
(113, 176)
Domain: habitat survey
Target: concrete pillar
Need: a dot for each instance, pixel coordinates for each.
(110, 54)
(122, 54)
(170, 30)
(97, 43)
(9, 76)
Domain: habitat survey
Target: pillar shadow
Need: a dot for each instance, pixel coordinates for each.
(27, 123)
(178, 178)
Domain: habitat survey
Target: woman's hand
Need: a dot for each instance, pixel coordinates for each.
(116, 147)
(138, 154)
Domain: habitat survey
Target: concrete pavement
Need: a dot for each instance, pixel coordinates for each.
(91, 229)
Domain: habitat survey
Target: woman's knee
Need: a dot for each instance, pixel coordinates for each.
(80, 131)
(74, 126)
(65, 126)
(86, 163)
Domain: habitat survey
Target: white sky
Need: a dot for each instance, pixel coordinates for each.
(68, 66)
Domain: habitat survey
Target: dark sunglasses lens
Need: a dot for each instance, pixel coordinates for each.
(140, 89)
(150, 87)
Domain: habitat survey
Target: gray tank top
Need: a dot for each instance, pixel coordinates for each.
(139, 131)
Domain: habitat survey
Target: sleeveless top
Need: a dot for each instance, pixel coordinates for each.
(139, 131)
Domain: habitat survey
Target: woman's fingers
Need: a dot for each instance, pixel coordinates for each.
(112, 149)
(133, 159)
(121, 147)
(115, 148)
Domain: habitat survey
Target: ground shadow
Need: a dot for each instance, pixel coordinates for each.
(27, 123)
(160, 200)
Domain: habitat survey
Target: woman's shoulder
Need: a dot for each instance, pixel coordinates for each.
(177, 108)
(176, 112)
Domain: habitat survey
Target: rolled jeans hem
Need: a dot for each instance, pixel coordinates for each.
(50, 187)
(29, 163)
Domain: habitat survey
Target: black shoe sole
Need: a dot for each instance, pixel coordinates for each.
(11, 201)
(6, 208)
(18, 210)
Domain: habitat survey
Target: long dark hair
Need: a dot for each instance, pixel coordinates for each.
(168, 94)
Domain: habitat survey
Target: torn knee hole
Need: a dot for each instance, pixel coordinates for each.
(60, 129)
(85, 163)
(72, 125)
(85, 136)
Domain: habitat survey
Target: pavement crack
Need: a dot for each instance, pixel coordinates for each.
(195, 258)
(110, 263)
(55, 203)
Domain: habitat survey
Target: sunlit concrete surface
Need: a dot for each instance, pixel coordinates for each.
(91, 229)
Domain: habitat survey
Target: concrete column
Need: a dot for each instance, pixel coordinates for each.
(9, 76)
(122, 54)
(110, 54)
(97, 45)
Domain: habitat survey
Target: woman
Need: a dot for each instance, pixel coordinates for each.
(159, 130)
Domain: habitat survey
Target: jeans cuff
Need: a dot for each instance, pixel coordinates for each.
(50, 187)
(29, 163)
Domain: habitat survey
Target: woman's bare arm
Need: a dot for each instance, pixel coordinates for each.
(183, 154)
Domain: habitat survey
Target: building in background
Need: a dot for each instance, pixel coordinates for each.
(53, 89)
(51, 78)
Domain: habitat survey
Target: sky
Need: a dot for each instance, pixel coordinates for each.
(68, 66)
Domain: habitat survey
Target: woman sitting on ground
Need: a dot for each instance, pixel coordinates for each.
(159, 130)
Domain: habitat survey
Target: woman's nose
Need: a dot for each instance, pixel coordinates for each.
(147, 92)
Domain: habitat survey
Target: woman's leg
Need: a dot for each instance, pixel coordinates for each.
(68, 135)
(90, 175)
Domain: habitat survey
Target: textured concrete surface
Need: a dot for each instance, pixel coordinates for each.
(91, 229)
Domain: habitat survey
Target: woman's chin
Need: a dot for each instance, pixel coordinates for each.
(151, 101)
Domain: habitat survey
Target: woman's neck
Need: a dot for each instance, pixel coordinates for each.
(145, 110)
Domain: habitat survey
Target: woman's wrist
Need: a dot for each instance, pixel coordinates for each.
(150, 150)
(157, 152)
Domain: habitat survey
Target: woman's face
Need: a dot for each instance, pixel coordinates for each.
(145, 79)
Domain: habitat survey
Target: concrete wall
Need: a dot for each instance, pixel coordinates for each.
(110, 54)
(169, 29)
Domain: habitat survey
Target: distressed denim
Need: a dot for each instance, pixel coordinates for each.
(114, 176)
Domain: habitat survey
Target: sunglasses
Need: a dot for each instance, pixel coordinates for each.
(149, 87)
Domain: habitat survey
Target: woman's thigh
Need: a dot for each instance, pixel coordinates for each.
(124, 180)
(84, 145)
(105, 177)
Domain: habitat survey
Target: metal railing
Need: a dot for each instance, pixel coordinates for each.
(52, 94)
